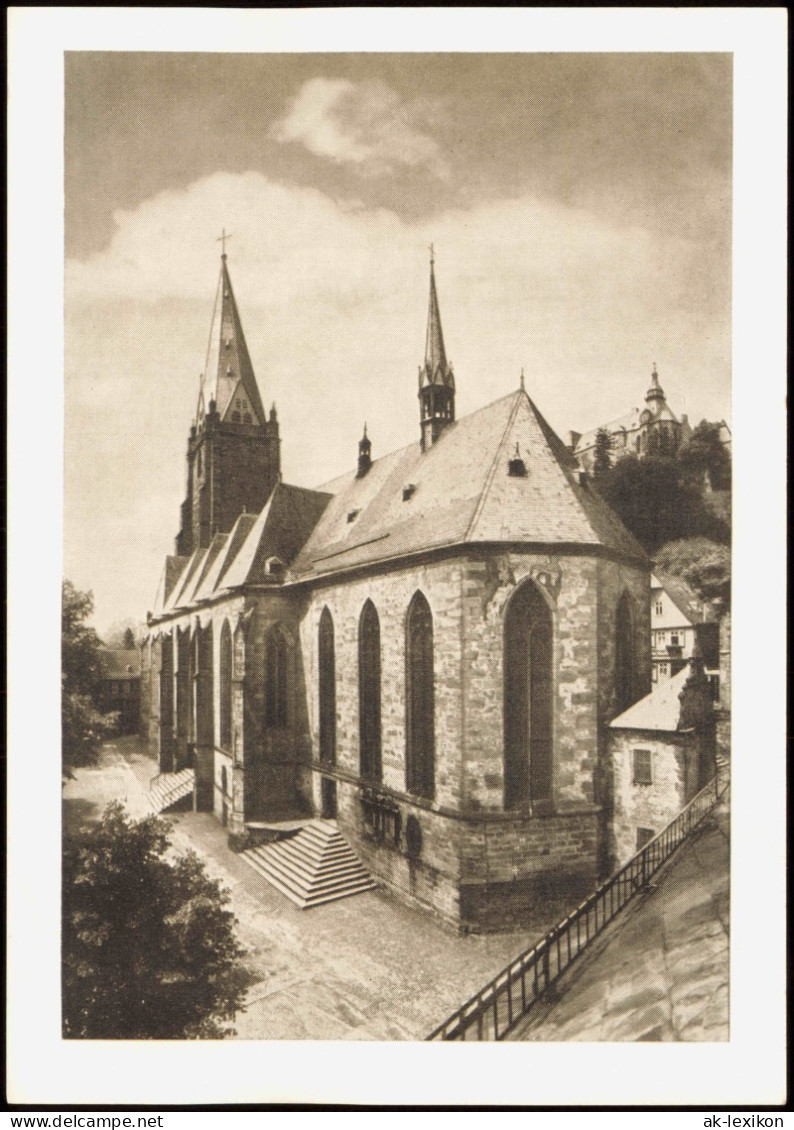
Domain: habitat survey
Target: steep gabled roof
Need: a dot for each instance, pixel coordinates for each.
(229, 375)
(460, 492)
(659, 710)
(280, 530)
(682, 596)
(119, 663)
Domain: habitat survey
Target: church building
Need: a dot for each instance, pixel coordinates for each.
(427, 650)
(653, 430)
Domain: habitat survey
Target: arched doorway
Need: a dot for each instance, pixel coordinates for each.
(528, 699)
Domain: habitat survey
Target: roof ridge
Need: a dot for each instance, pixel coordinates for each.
(489, 478)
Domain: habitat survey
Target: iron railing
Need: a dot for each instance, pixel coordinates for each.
(492, 1012)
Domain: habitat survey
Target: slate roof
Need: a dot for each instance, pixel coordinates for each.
(462, 494)
(228, 372)
(119, 663)
(682, 596)
(659, 710)
(458, 492)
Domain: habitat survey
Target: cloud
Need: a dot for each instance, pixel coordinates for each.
(364, 124)
(333, 301)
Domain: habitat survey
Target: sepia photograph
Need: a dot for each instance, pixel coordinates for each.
(399, 550)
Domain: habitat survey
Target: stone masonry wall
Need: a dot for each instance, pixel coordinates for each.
(675, 781)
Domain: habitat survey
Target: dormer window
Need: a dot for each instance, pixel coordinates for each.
(516, 466)
(408, 491)
(274, 566)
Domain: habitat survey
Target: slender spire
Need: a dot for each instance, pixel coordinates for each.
(229, 375)
(436, 380)
(436, 369)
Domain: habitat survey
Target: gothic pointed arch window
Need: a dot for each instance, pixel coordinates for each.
(326, 662)
(625, 674)
(226, 686)
(277, 679)
(369, 693)
(420, 699)
(203, 687)
(528, 699)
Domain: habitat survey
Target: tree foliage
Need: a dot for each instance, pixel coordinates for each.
(83, 727)
(149, 950)
(657, 504)
(128, 640)
(705, 566)
(602, 453)
(704, 453)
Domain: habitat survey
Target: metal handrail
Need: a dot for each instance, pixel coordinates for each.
(492, 1012)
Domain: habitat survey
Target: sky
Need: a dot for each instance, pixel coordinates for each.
(579, 206)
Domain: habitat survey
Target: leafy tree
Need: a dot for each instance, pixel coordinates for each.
(655, 503)
(704, 453)
(149, 950)
(83, 728)
(705, 566)
(602, 453)
(125, 634)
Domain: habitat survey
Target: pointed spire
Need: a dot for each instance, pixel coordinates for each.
(523, 386)
(364, 455)
(436, 380)
(229, 375)
(436, 369)
(655, 392)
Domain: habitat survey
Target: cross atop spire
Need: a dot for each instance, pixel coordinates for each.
(222, 241)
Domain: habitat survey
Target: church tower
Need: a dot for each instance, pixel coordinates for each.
(436, 380)
(654, 397)
(233, 457)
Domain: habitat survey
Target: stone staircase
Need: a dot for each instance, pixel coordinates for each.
(314, 866)
(167, 788)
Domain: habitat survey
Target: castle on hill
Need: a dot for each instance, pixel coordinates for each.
(428, 650)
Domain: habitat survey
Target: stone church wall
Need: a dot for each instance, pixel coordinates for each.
(479, 866)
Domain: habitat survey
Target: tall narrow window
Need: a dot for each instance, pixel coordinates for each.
(205, 730)
(276, 680)
(226, 686)
(420, 692)
(327, 665)
(528, 714)
(624, 655)
(369, 693)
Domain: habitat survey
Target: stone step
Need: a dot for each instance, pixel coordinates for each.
(303, 878)
(307, 903)
(317, 865)
(311, 855)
